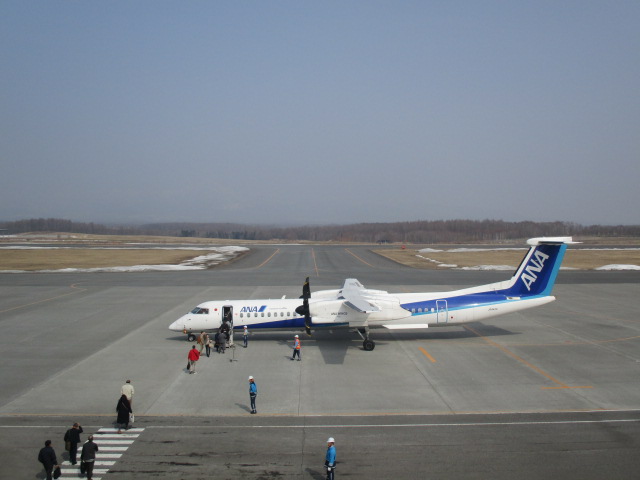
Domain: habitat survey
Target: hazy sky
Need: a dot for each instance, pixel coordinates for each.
(320, 111)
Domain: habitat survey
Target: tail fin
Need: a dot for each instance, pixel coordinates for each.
(538, 271)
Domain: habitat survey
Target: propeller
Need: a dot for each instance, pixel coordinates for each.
(304, 308)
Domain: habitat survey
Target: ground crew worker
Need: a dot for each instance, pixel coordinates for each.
(296, 347)
(253, 393)
(245, 336)
(330, 458)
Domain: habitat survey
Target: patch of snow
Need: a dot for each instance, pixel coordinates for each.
(618, 267)
(607, 249)
(489, 267)
(463, 250)
(201, 262)
(428, 259)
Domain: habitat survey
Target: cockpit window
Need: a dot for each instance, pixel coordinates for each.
(202, 311)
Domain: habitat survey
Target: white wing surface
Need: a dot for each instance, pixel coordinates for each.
(354, 297)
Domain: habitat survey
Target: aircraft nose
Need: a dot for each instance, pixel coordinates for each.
(177, 326)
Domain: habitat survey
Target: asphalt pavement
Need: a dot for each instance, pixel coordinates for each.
(552, 391)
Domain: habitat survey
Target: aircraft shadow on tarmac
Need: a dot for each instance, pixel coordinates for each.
(334, 344)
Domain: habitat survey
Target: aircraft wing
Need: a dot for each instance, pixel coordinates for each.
(353, 294)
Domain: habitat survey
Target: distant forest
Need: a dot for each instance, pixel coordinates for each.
(435, 231)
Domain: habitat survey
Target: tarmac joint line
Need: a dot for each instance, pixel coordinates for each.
(560, 385)
(78, 290)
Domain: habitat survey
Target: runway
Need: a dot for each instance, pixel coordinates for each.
(551, 391)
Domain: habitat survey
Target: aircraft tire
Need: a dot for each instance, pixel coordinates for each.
(368, 345)
(191, 337)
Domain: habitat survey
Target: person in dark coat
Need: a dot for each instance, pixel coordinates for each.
(124, 410)
(73, 437)
(47, 457)
(222, 339)
(88, 456)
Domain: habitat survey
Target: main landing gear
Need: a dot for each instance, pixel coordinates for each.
(367, 344)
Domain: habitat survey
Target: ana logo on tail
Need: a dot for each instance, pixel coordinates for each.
(529, 276)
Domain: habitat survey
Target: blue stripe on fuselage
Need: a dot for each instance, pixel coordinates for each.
(461, 302)
(288, 323)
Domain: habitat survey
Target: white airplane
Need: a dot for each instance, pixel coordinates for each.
(360, 309)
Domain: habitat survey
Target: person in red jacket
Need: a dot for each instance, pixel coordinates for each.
(194, 356)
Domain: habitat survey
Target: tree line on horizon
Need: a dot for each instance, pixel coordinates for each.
(425, 231)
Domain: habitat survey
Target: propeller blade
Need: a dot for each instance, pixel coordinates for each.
(306, 290)
(304, 308)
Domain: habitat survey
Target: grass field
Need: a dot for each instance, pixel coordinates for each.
(55, 259)
(78, 257)
(578, 259)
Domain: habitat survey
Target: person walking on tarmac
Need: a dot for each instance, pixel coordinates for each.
(253, 393)
(245, 336)
(330, 458)
(201, 342)
(128, 391)
(296, 347)
(88, 456)
(194, 356)
(222, 342)
(73, 437)
(208, 345)
(47, 457)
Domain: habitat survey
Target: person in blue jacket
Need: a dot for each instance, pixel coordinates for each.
(253, 393)
(330, 459)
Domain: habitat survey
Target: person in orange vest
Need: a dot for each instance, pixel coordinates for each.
(296, 347)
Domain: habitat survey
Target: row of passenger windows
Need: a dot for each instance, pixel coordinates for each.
(420, 310)
(275, 314)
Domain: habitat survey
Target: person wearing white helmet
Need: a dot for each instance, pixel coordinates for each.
(245, 336)
(296, 347)
(330, 458)
(253, 393)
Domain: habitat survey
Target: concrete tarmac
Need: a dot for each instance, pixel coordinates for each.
(551, 391)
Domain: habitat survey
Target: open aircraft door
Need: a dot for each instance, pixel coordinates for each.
(227, 315)
(442, 311)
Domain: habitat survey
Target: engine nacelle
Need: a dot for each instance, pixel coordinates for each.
(336, 311)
